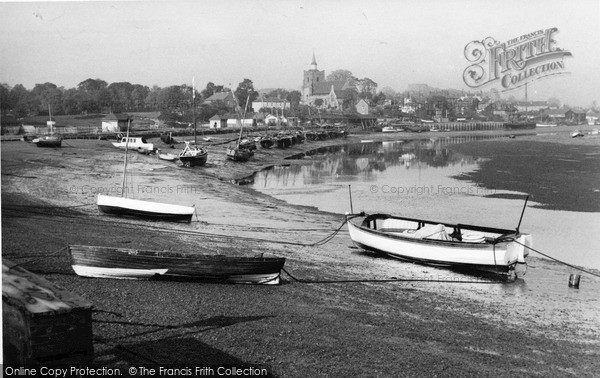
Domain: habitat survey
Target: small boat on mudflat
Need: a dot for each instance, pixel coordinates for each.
(145, 209)
(441, 244)
(133, 143)
(124, 263)
(192, 155)
(167, 156)
(53, 141)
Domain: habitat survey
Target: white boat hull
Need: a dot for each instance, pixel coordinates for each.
(144, 209)
(498, 257)
(117, 273)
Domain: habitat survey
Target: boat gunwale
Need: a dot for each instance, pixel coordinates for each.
(446, 243)
(174, 255)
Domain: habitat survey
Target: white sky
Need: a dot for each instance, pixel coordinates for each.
(394, 43)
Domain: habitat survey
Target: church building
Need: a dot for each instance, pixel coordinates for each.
(315, 87)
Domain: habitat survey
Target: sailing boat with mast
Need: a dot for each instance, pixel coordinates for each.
(192, 155)
(243, 150)
(142, 209)
(51, 140)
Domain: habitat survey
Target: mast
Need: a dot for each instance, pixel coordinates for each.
(50, 115)
(125, 163)
(242, 121)
(194, 108)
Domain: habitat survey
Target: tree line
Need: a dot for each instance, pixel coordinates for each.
(97, 96)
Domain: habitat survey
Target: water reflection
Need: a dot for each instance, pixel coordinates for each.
(363, 161)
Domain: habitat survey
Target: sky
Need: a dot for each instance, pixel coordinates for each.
(271, 42)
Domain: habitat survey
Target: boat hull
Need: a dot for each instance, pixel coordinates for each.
(498, 257)
(238, 154)
(194, 161)
(145, 209)
(51, 142)
(121, 263)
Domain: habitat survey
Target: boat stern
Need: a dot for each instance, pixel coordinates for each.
(518, 249)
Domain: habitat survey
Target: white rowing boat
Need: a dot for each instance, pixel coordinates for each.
(450, 245)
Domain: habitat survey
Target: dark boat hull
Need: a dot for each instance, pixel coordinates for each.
(106, 262)
(239, 154)
(194, 161)
(266, 143)
(49, 142)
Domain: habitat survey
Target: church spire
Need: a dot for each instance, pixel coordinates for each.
(313, 64)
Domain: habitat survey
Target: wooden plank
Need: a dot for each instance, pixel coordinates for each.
(36, 295)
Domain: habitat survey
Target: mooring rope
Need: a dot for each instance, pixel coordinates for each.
(557, 260)
(372, 280)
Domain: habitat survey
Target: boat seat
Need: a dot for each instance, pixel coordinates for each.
(435, 232)
(473, 237)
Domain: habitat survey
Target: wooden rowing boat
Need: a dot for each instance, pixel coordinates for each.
(123, 263)
(442, 244)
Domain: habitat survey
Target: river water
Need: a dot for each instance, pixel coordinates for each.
(420, 178)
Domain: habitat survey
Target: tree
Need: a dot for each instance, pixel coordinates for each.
(120, 96)
(554, 102)
(210, 90)
(340, 75)
(294, 98)
(245, 93)
(48, 95)
(93, 92)
(5, 102)
(367, 87)
(319, 102)
(23, 100)
(138, 95)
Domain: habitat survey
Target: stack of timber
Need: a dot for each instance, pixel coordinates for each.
(43, 323)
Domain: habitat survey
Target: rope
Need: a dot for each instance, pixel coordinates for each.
(187, 232)
(367, 280)
(40, 257)
(557, 260)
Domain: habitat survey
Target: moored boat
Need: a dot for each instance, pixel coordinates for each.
(145, 209)
(123, 263)
(134, 143)
(53, 141)
(192, 155)
(442, 244)
(236, 153)
(167, 156)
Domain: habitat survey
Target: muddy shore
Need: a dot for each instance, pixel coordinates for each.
(294, 329)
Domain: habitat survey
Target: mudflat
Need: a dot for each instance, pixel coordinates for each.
(337, 326)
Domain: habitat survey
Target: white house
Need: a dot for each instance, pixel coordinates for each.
(115, 122)
(362, 107)
(217, 122)
(270, 103)
(234, 121)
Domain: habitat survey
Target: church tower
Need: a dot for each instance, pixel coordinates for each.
(311, 78)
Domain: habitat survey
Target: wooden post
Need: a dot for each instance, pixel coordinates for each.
(574, 281)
